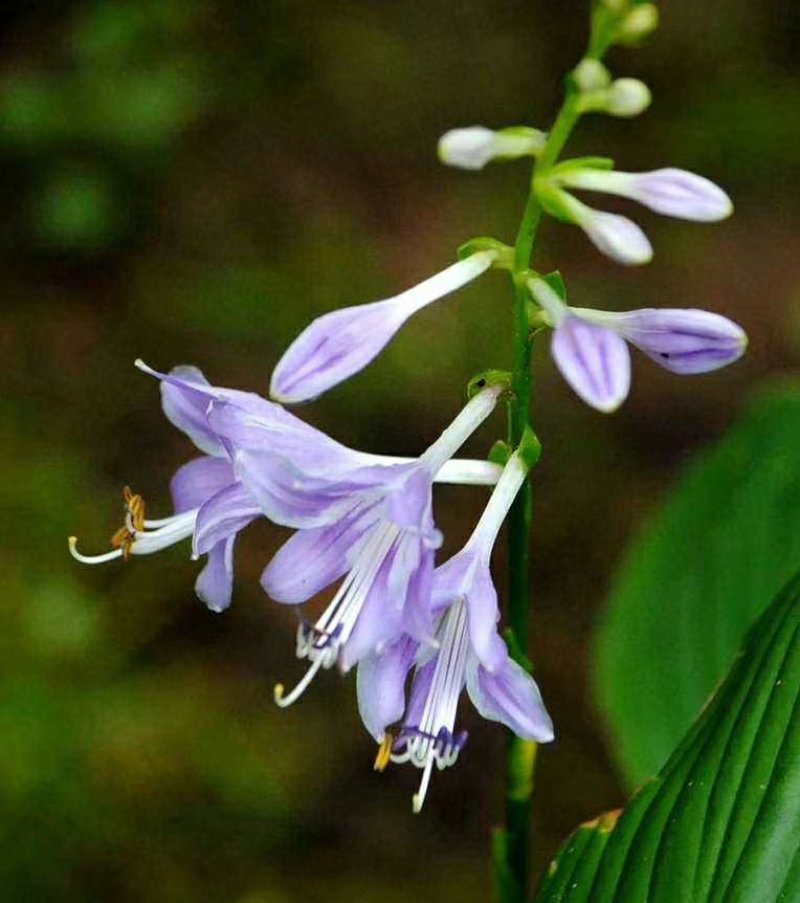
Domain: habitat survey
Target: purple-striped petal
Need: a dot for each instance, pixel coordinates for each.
(381, 685)
(510, 695)
(195, 482)
(185, 405)
(339, 344)
(594, 360)
(223, 515)
(214, 585)
(681, 340)
(313, 559)
(670, 191)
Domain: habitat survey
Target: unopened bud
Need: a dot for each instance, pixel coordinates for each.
(474, 147)
(641, 21)
(591, 75)
(628, 97)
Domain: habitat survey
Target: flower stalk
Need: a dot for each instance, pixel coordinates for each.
(512, 853)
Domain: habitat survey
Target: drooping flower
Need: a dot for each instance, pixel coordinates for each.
(467, 652)
(211, 505)
(669, 191)
(339, 344)
(589, 346)
(371, 524)
(475, 146)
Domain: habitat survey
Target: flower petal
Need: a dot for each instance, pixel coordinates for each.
(594, 360)
(510, 696)
(381, 686)
(214, 585)
(682, 194)
(670, 191)
(617, 237)
(313, 559)
(339, 344)
(195, 482)
(289, 497)
(222, 516)
(185, 405)
(681, 340)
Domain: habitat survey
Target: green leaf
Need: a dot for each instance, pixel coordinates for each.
(722, 819)
(697, 576)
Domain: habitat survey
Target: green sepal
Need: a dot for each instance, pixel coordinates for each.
(500, 452)
(554, 200)
(537, 318)
(488, 378)
(505, 258)
(556, 282)
(604, 163)
(530, 448)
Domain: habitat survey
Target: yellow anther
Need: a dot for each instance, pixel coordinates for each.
(136, 508)
(278, 693)
(384, 755)
(123, 539)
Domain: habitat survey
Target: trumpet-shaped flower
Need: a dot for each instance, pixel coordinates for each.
(370, 524)
(338, 344)
(589, 346)
(467, 652)
(211, 505)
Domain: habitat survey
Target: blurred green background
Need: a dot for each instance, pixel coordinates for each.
(194, 182)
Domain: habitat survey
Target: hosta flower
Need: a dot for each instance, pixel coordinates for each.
(590, 350)
(211, 505)
(370, 524)
(672, 192)
(474, 147)
(338, 344)
(467, 652)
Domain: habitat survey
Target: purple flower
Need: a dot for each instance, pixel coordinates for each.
(589, 346)
(669, 191)
(371, 524)
(467, 651)
(337, 345)
(210, 504)
(672, 192)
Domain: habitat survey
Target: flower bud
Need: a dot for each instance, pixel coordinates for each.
(474, 147)
(641, 21)
(627, 97)
(591, 75)
(669, 191)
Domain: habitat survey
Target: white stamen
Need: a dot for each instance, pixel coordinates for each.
(91, 559)
(338, 621)
(425, 747)
(169, 530)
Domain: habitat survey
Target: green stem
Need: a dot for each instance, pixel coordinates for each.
(514, 873)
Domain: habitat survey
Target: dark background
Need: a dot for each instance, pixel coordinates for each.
(192, 182)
